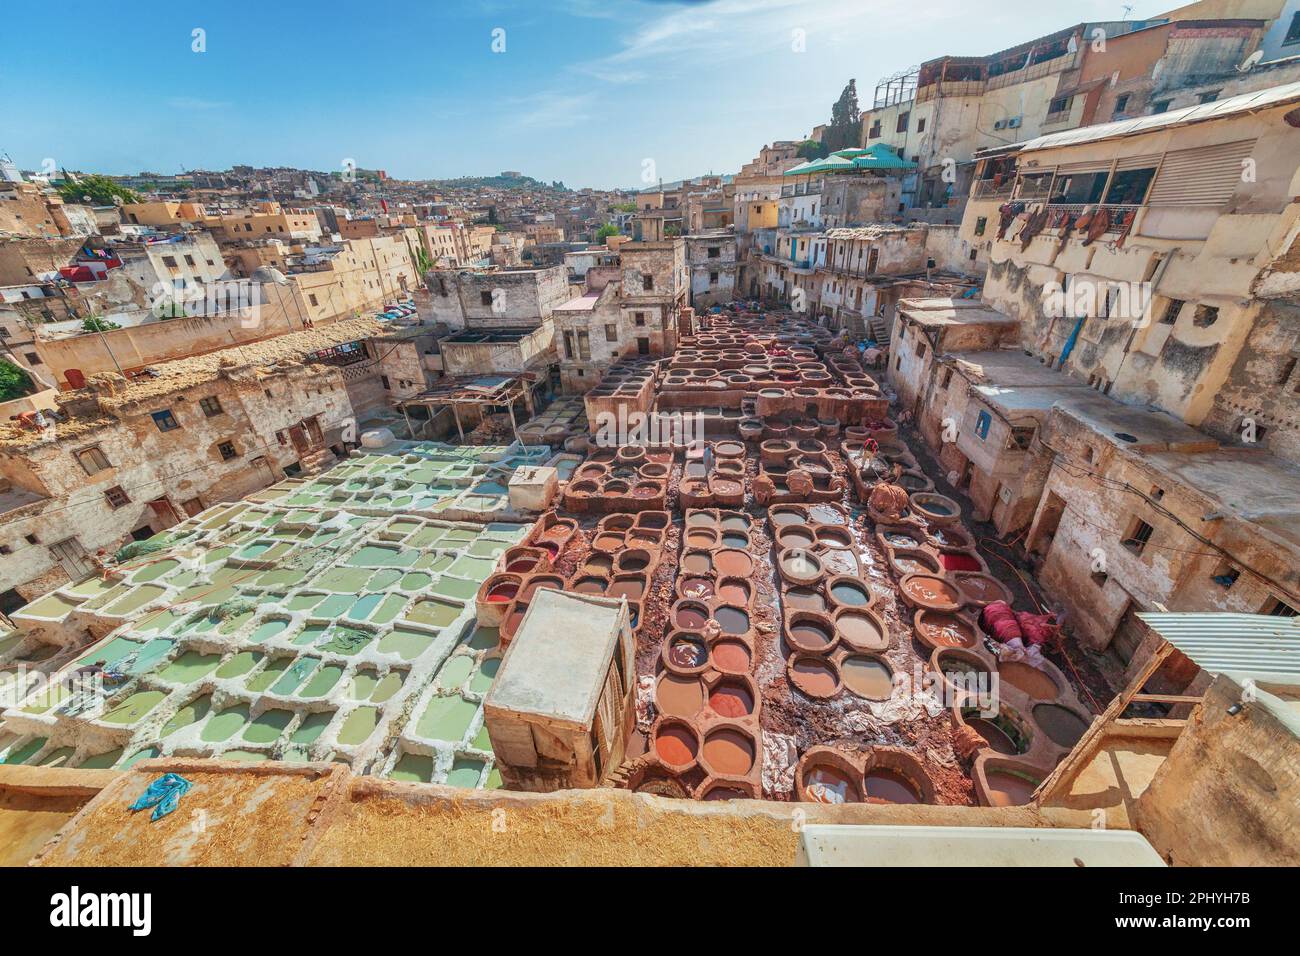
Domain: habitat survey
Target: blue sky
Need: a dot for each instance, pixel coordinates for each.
(585, 90)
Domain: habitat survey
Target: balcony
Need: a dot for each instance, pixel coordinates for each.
(810, 188)
(989, 189)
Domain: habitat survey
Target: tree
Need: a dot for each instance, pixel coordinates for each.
(14, 382)
(605, 231)
(845, 120)
(96, 190)
(811, 149)
(96, 324)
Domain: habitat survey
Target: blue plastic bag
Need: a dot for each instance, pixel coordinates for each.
(163, 795)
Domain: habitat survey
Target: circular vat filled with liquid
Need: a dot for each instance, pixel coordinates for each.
(725, 790)
(868, 676)
(861, 629)
(1005, 783)
(813, 675)
(676, 742)
(1006, 731)
(848, 591)
(733, 697)
(963, 672)
(824, 775)
(701, 537)
(834, 537)
(805, 599)
(733, 563)
(1062, 725)
(731, 656)
(799, 566)
(733, 620)
(735, 591)
(935, 508)
(685, 653)
(729, 751)
(636, 559)
(1033, 681)
(690, 615)
(809, 632)
(938, 629)
(930, 591)
(783, 516)
(981, 589)
(679, 696)
(795, 536)
(697, 562)
(895, 776)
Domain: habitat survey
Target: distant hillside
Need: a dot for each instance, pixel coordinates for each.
(498, 182)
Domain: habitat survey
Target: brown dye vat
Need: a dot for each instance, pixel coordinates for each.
(524, 560)
(700, 519)
(732, 563)
(697, 562)
(701, 588)
(676, 743)
(809, 632)
(731, 656)
(1038, 684)
(653, 471)
(735, 591)
(930, 591)
(805, 599)
(826, 775)
(608, 542)
(514, 617)
(678, 696)
(701, 537)
(834, 537)
(735, 522)
(914, 561)
(731, 698)
(535, 581)
(885, 785)
(867, 676)
(1061, 724)
(941, 629)
(729, 449)
(645, 489)
(840, 562)
(732, 620)
(795, 536)
(861, 629)
(899, 539)
(636, 560)
(598, 564)
(999, 740)
(630, 586)
(653, 520)
(729, 752)
(690, 615)
(814, 676)
(615, 523)
(1005, 788)
(590, 584)
(982, 589)
(727, 488)
(685, 652)
(724, 791)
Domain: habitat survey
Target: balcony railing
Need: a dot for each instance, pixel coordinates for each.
(810, 188)
(991, 189)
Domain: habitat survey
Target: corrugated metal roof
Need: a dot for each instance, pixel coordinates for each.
(1256, 646)
(1260, 99)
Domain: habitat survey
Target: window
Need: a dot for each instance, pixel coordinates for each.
(569, 351)
(211, 406)
(1279, 608)
(1139, 533)
(485, 297)
(189, 260)
(93, 460)
(116, 497)
(903, 119)
(1129, 186)
(1205, 316)
(1021, 436)
(1209, 96)
(611, 333)
(1100, 578)
(584, 347)
(1059, 105)
(947, 378)
(31, 539)
(714, 252)
(638, 318)
(713, 278)
(1080, 187)
(311, 297)
(165, 420)
(169, 261)
(874, 132)
(1161, 106)
(647, 283)
(227, 450)
(388, 386)
(873, 260)
(920, 125)
(1121, 104)
(32, 358)
(1172, 308)
(981, 224)
(982, 423)
(1293, 32)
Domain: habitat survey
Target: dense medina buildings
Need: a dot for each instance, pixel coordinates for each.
(995, 379)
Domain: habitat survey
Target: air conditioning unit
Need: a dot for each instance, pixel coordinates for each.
(1013, 122)
(1000, 124)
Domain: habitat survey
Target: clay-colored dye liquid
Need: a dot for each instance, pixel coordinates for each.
(861, 631)
(815, 678)
(805, 599)
(697, 588)
(675, 746)
(729, 752)
(1008, 789)
(691, 617)
(631, 588)
(731, 700)
(697, 563)
(890, 786)
(995, 735)
(1061, 724)
(1034, 682)
(687, 653)
(948, 631)
(810, 634)
(734, 593)
(797, 538)
(867, 677)
(731, 656)
(679, 696)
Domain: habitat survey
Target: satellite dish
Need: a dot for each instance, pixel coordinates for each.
(1251, 62)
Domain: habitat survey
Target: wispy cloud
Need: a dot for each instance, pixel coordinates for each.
(551, 110)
